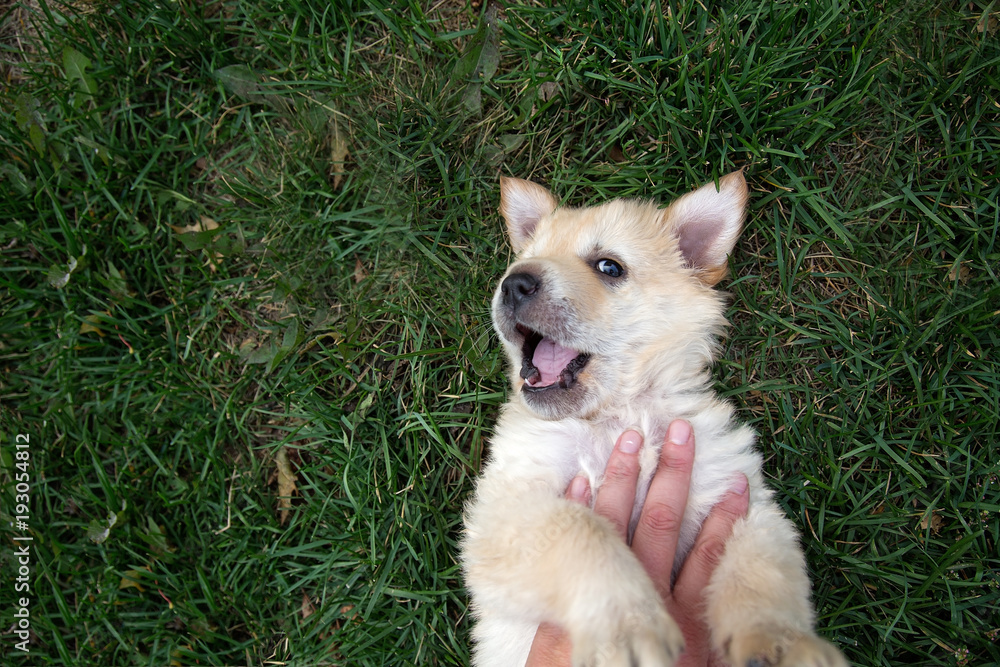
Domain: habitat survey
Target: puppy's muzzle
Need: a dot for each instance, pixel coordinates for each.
(519, 288)
(546, 364)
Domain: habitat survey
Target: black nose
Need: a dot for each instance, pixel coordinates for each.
(518, 288)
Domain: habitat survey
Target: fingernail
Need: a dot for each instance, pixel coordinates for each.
(630, 443)
(578, 488)
(679, 432)
(738, 484)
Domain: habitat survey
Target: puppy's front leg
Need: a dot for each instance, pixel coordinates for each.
(758, 601)
(533, 556)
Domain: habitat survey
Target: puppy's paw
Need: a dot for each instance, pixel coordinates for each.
(771, 649)
(650, 639)
(811, 651)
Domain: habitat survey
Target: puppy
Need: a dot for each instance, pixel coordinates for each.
(610, 322)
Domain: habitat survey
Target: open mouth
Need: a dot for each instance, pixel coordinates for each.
(545, 364)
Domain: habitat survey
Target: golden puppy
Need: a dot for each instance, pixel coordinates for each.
(610, 321)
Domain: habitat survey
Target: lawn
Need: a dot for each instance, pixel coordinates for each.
(246, 257)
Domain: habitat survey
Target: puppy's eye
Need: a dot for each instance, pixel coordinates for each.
(610, 267)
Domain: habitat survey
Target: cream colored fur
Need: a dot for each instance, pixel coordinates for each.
(529, 555)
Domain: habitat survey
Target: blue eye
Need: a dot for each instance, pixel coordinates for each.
(610, 268)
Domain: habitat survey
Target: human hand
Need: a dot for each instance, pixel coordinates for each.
(655, 540)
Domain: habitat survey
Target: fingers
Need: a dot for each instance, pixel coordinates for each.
(710, 544)
(617, 493)
(551, 647)
(657, 534)
(579, 490)
(658, 531)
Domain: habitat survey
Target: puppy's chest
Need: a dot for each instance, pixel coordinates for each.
(554, 452)
(593, 460)
(572, 447)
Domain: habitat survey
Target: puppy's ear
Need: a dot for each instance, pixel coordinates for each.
(707, 222)
(522, 205)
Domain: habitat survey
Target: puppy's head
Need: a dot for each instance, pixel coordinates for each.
(605, 304)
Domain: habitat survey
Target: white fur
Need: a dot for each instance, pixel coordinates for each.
(530, 555)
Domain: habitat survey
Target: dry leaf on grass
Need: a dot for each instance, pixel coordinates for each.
(204, 224)
(91, 324)
(933, 520)
(131, 580)
(339, 153)
(548, 90)
(346, 617)
(286, 484)
(307, 607)
(359, 271)
(988, 23)
(961, 272)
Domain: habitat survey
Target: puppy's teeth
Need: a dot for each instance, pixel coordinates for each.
(528, 371)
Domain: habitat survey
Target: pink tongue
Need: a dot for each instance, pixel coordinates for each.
(550, 359)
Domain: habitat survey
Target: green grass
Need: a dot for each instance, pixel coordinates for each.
(337, 317)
